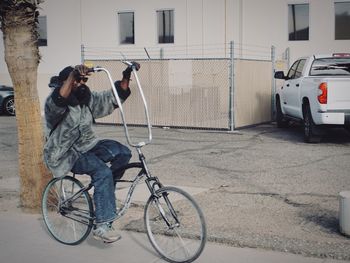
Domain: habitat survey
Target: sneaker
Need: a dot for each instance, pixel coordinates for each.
(106, 233)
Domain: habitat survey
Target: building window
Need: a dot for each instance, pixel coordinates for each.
(342, 20)
(42, 30)
(298, 22)
(165, 22)
(126, 28)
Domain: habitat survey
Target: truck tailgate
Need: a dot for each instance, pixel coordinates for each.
(338, 94)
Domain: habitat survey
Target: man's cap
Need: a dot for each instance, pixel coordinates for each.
(55, 82)
(65, 73)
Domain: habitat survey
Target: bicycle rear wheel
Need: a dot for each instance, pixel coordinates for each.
(69, 222)
(175, 225)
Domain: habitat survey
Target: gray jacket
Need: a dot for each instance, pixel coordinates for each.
(69, 128)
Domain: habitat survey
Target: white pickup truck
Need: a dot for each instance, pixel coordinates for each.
(316, 91)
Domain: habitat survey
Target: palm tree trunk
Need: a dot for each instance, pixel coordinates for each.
(22, 59)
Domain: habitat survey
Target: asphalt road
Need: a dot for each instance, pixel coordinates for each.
(265, 188)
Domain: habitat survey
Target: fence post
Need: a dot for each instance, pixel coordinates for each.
(161, 53)
(231, 96)
(82, 55)
(273, 83)
(287, 57)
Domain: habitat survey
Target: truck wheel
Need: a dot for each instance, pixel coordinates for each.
(309, 127)
(281, 121)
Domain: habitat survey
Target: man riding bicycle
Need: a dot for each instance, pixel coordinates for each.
(72, 145)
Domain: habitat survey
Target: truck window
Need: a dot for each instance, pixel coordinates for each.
(291, 72)
(333, 66)
(299, 70)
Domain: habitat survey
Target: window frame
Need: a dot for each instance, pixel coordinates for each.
(335, 17)
(309, 20)
(173, 26)
(42, 42)
(119, 27)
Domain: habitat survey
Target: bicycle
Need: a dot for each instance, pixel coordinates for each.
(174, 222)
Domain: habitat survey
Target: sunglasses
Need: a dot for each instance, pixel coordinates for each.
(85, 79)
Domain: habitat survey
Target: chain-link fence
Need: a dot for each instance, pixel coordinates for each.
(181, 93)
(211, 93)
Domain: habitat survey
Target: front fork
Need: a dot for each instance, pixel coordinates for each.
(154, 185)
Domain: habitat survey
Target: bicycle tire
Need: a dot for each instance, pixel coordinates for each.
(180, 242)
(65, 222)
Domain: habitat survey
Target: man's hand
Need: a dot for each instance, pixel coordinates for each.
(128, 70)
(135, 65)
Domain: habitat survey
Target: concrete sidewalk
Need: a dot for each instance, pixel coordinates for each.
(23, 238)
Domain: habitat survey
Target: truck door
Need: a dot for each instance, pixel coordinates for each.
(291, 99)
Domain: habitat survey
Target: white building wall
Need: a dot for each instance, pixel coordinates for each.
(263, 24)
(63, 35)
(266, 23)
(202, 28)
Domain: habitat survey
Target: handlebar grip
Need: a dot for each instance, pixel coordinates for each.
(128, 63)
(94, 69)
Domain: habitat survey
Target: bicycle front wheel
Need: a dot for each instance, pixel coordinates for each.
(175, 225)
(67, 214)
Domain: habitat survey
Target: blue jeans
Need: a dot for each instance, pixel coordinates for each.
(94, 163)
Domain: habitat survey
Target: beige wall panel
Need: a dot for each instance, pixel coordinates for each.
(252, 102)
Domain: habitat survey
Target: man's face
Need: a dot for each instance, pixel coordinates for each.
(82, 80)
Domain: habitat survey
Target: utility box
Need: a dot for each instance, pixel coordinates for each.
(344, 212)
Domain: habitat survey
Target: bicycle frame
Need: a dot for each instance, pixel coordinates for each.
(152, 183)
